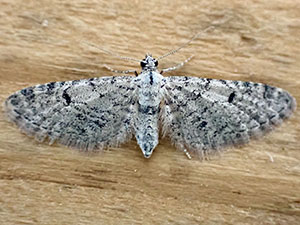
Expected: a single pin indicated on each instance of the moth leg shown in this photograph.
(177, 66)
(119, 71)
(188, 155)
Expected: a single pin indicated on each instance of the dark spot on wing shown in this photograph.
(236, 83)
(113, 80)
(27, 91)
(223, 81)
(246, 84)
(231, 97)
(99, 123)
(50, 86)
(13, 99)
(75, 82)
(269, 91)
(66, 97)
(203, 124)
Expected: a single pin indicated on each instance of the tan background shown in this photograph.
(43, 41)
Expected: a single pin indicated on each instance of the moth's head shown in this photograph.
(149, 63)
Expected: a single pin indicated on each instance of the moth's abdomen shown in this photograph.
(146, 128)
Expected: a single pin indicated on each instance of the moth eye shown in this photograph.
(156, 63)
(143, 64)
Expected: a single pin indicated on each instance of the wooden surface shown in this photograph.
(43, 41)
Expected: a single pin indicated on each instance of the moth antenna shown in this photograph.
(185, 44)
(112, 53)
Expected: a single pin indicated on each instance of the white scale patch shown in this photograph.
(199, 115)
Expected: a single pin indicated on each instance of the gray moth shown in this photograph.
(199, 115)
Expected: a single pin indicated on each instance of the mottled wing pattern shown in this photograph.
(85, 114)
(206, 114)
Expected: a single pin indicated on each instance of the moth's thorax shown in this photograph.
(150, 88)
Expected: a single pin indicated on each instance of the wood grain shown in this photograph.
(43, 41)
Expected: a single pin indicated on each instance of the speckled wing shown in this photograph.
(203, 115)
(85, 114)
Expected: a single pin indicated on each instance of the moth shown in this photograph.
(199, 115)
